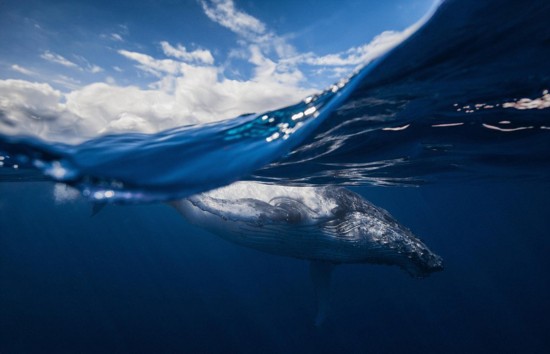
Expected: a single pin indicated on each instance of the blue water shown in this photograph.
(139, 279)
(453, 123)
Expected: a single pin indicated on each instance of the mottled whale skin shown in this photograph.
(322, 224)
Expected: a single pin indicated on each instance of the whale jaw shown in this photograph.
(431, 263)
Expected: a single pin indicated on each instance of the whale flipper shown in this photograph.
(321, 273)
(97, 207)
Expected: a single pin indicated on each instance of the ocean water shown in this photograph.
(450, 132)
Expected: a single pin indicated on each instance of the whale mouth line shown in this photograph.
(423, 270)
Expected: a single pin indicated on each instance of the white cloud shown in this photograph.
(116, 37)
(224, 13)
(58, 59)
(250, 29)
(33, 108)
(87, 66)
(16, 93)
(67, 81)
(94, 69)
(22, 70)
(151, 65)
(108, 108)
(199, 55)
(195, 97)
(358, 55)
(273, 55)
(187, 87)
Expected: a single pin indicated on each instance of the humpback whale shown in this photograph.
(326, 225)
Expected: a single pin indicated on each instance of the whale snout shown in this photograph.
(425, 264)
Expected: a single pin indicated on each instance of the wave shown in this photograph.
(465, 97)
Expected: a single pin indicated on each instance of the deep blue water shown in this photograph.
(139, 279)
(454, 123)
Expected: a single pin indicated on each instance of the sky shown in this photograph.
(70, 70)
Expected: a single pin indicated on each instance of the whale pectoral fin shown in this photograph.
(97, 207)
(321, 273)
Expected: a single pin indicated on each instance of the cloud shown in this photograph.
(94, 69)
(186, 87)
(87, 66)
(199, 55)
(274, 55)
(224, 13)
(33, 108)
(58, 59)
(151, 65)
(116, 37)
(22, 70)
(197, 96)
(360, 55)
(38, 109)
(67, 81)
(247, 27)
(261, 47)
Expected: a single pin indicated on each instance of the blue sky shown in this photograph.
(168, 62)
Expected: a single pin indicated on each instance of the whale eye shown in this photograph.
(292, 214)
(338, 211)
(294, 217)
(293, 210)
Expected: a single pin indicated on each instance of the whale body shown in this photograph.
(330, 224)
(326, 225)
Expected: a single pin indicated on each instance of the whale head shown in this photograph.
(378, 238)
